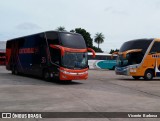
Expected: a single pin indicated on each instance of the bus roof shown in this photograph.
(45, 32)
(136, 44)
(107, 54)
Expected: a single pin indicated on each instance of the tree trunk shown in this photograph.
(98, 45)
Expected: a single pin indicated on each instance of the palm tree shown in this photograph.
(99, 38)
(61, 28)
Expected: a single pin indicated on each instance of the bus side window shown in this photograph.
(89, 57)
(52, 38)
(108, 57)
(155, 48)
(55, 55)
(41, 48)
(97, 57)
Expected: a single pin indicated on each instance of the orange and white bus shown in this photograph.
(139, 58)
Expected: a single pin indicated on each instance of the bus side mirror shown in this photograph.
(93, 52)
(58, 47)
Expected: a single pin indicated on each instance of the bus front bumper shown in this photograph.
(69, 74)
(122, 70)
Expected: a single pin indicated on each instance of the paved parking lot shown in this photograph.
(102, 92)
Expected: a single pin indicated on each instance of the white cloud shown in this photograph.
(28, 26)
(118, 20)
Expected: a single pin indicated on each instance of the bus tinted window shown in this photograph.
(114, 58)
(52, 38)
(98, 57)
(29, 41)
(108, 57)
(90, 57)
(21, 42)
(102, 57)
(2, 54)
(155, 48)
(136, 44)
(72, 40)
(8, 45)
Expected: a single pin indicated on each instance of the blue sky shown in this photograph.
(118, 20)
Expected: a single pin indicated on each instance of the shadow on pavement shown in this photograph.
(38, 79)
(139, 80)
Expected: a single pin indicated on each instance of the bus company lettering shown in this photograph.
(28, 50)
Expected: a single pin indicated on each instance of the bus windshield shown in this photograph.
(75, 60)
(135, 57)
(131, 58)
(72, 40)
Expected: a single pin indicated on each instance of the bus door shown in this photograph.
(40, 56)
(155, 57)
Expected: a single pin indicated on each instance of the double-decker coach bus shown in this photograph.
(2, 58)
(139, 58)
(102, 61)
(50, 54)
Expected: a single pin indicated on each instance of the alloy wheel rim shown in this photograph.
(149, 75)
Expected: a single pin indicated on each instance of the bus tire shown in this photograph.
(136, 77)
(66, 81)
(46, 75)
(113, 68)
(15, 71)
(69, 81)
(148, 75)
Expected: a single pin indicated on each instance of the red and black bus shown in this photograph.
(50, 54)
(2, 58)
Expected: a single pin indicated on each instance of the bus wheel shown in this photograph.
(15, 71)
(148, 75)
(66, 81)
(46, 75)
(69, 81)
(136, 77)
(113, 68)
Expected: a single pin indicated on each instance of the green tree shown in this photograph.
(61, 28)
(72, 31)
(112, 51)
(99, 38)
(96, 49)
(86, 35)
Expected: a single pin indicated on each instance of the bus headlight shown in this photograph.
(133, 70)
(86, 72)
(74, 73)
(65, 72)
